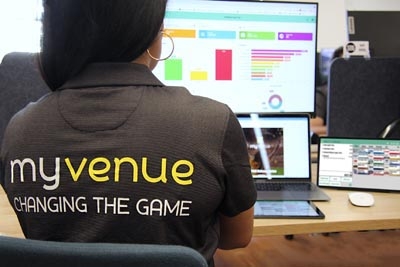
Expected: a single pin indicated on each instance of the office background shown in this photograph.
(20, 26)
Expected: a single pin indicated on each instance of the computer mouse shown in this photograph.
(361, 199)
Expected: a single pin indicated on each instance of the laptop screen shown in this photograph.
(359, 163)
(278, 145)
(255, 56)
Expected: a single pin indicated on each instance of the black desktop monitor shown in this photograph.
(380, 28)
(255, 56)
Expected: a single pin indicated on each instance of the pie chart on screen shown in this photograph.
(275, 101)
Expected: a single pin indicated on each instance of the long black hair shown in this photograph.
(79, 32)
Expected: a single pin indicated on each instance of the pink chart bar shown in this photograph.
(276, 51)
(266, 56)
(295, 36)
(270, 60)
(272, 53)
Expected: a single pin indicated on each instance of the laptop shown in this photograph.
(370, 164)
(279, 155)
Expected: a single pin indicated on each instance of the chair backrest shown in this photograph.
(19, 252)
(392, 130)
(20, 84)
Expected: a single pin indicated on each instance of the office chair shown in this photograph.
(19, 252)
(20, 84)
(392, 130)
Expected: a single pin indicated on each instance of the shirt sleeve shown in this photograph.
(240, 193)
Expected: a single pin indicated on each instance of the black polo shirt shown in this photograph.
(116, 156)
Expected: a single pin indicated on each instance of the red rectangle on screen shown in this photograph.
(223, 65)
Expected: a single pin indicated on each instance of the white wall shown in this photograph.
(332, 16)
(332, 24)
(19, 26)
(380, 5)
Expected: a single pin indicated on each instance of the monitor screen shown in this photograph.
(277, 144)
(359, 163)
(254, 56)
(379, 28)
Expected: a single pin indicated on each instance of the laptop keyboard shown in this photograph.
(283, 186)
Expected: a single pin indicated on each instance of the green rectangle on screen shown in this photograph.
(257, 35)
(173, 70)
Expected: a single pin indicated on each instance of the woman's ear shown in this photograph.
(150, 56)
(154, 51)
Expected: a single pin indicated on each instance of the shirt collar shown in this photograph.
(113, 74)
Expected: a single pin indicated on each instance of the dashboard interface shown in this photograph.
(254, 56)
(359, 163)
